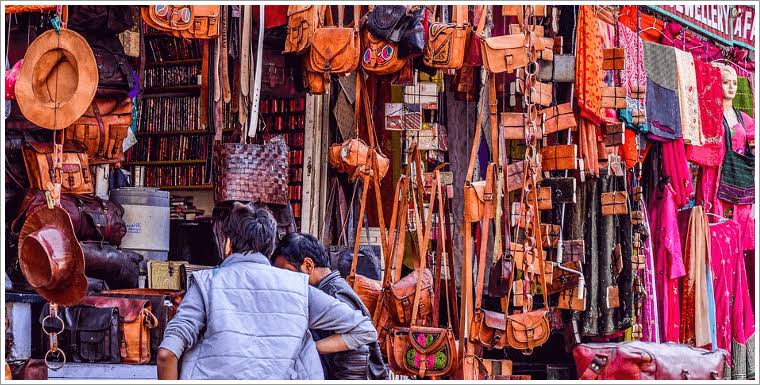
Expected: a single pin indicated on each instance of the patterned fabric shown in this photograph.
(733, 307)
(663, 112)
(674, 165)
(649, 316)
(669, 267)
(635, 72)
(688, 98)
(650, 27)
(710, 96)
(588, 66)
(660, 61)
(743, 100)
(711, 318)
(695, 326)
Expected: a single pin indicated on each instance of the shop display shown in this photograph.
(508, 189)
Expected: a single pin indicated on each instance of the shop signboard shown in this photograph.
(727, 23)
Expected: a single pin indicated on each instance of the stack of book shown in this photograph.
(182, 207)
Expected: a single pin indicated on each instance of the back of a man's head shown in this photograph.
(251, 229)
(295, 247)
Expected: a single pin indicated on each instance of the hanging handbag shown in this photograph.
(303, 20)
(335, 49)
(563, 279)
(387, 22)
(447, 41)
(615, 203)
(90, 334)
(418, 350)
(412, 42)
(380, 57)
(613, 58)
(558, 118)
(252, 172)
(74, 175)
(102, 129)
(559, 157)
(614, 97)
(204, 24)
(167, 17)
(737, 184)
(135, 321)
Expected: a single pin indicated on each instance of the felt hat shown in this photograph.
(50, 256)
(58, 79)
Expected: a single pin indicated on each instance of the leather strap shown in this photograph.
(475, 148)
(441, 245)
(245, 51)
(101, 127)
(423, 254)
(485, 229)
(224, 54)
(597, 365)
(256, 99)
(480, 14)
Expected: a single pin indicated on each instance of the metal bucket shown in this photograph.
(146, 214)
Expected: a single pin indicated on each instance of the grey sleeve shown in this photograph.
(183, 331)
(328, 313)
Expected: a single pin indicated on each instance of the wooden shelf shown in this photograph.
(188, 187)
(174, 62)
(161, 90)
(185, 132)
(165, 162)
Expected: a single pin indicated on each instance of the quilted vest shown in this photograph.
(256, 326)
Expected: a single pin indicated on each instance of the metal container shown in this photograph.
(146, 214)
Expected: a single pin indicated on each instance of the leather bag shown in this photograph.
(252, 172)
(204, 23)
(168, 17)
(506, 53)
(403, 296)
(74, 175)
(558, 118)
(90, 334)
(572, 250)
(353, 155)
(447, 42)
(380, 57)
(303, 20)
(559, 157)
(613, 58)
(515, 174)
(119, 268)
(335, 49)
(500, 276)
(614, 97)
(102, 129)
(115, 73)
(637, 360)
(615, 203)
(93, 218)
(387, 22)
(563, 279)
(513, 125)
(559, 70)
(136, 320)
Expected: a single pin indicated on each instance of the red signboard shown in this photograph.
(744, 31)
(720, 21)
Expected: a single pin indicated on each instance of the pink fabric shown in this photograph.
(733, 307)
(669, 267)
(649, 317)
(675, 166)
(635, 73)
(742, 214)
(711, 115)
(11, 76)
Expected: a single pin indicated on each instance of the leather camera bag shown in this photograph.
(102, 129)
(94, 219)
(380, 57)
(136, 320)
(90, 334)
(252, 172)
(119, 268)
(418, 350)
(637, 360)
(74, 175)
(335, 49)
(303, 20)
(447, 42)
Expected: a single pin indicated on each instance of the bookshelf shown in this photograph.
(173, 136)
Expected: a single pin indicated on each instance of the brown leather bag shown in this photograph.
(74, 175)
(136, 321)
(252, 172)
(303, 20)
(615, 203)
(512, 124)
(506, 53)
(558, 118)
(447, 42)
(380, 57)
(102, 129)
(335, 49)
(168, 17)
(613, 58)
(204, 24)
(614, 97)
(559, 157)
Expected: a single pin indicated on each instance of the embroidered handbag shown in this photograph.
(74, 175)
(102, 129)
(204, 23)
(446, 43)
(559, 157)
(380, 57)
(252, 172)
(335, 49)
(168, 17)
(303, 20)
(737, 184)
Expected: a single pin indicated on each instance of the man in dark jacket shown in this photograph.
(305, 254)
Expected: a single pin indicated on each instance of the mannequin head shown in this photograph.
(729, 81)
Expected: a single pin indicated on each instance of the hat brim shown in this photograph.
(45, 114)
(70, 291)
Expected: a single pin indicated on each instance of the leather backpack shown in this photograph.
(102, 129)
(303, 20)
(90, 334)
(74, 175)
(335, 49)
(447, 42)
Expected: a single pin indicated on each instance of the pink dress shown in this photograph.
(669, 267)
(733, 309)
(675, 166)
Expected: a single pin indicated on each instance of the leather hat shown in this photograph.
(58, 79)
(50, 256)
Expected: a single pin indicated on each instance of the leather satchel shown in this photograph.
(136, 320)
(352, 155)
(93, 218)
(505, 53)
(500, 276)
(637, 360)
(252, 172)
(204, 23)
(512, 124)
(90, 334)
(447, 41)
(559, 157)
(335, 49)
(559, 70)
(303, 20)
(563, 279)
(615, 203)
(168, 17)
(74, 175)
(403, 296)
(380, 57)
(102, 129)
(367, 289)
(614, 97)
(119, 268)
(475, 198)
(558, 118)
(613, 58)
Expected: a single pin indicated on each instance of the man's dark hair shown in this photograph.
(251, 229)
(295, 247)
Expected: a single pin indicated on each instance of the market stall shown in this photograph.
(513, 191)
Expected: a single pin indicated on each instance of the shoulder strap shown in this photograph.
(475, 146)
(485, 229)
(441, 241)
(460, 15)
(423, 257)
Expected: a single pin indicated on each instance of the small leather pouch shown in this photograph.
(614, 97)
(558, 118)
(512, 124)
(519, 217)
(560, 157)
(637, 217)
(563, 279)
(613, 58)
(613, 297)
(615, 203)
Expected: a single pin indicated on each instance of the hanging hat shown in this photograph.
(58, 79)
(50, 256)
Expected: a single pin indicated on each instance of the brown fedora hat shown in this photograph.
(58, 79)
(50, 256)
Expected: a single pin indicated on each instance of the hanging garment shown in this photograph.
(744, 101)
(663, 113)
(588, 66)
(736, 325)
(635, 72)
(650, 27)
(669, 267)
(686, 77)
(674, 165)
(695, 326)
(650, 319)
(742, 214)
(710, 96)
(660, 61)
